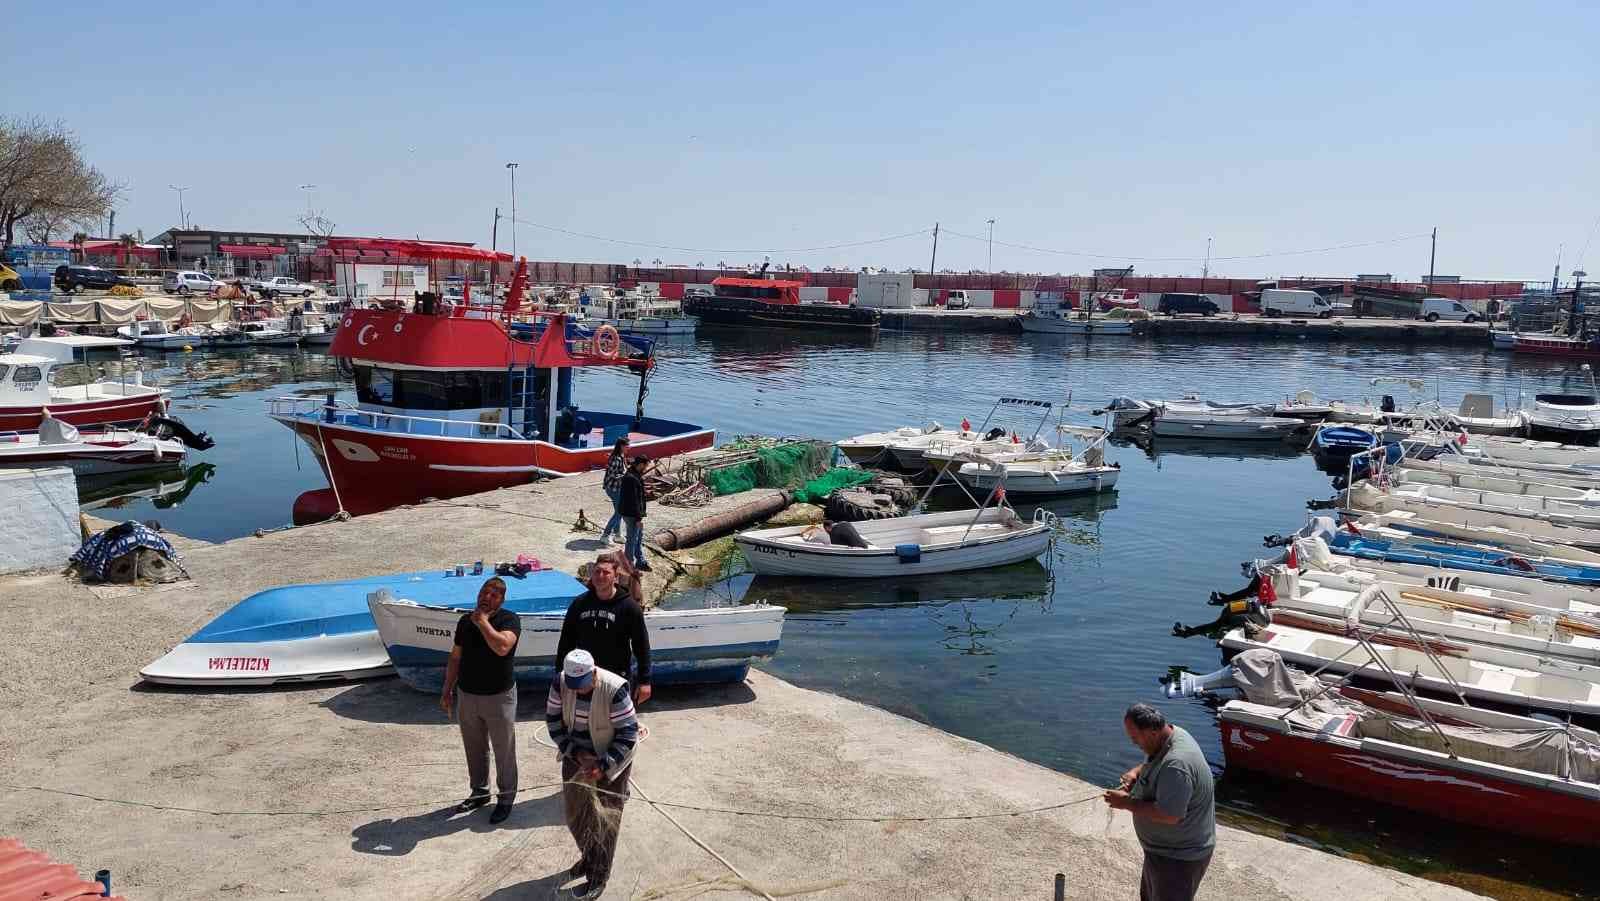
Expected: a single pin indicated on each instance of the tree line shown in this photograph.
(46, 186)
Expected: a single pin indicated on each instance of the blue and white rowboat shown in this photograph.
(324, 631)
(698, 646)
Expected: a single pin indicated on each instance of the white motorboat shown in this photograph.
(1177, 422)
(1582, 513)
(1487, 672)
(1131, 413)
(921, 544)
(59, 443)
(911, 452)
(1526, 453)
(1521, 533)
(39, 374)
(1573, 418)
(1057, 472)
(694, 646)
(1305, 406)
(156, 334)
(639, 312)
(870, 448)
(1048, 317)
(1477, 416)
(1500, 339)
(268, 333)
(906, 451)
(1457, 464)
(944, 451)
(1458, 617)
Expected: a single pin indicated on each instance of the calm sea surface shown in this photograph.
(1037, 659)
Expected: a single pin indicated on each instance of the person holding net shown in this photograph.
(590, 714)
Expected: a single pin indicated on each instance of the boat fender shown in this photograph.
(908, 553)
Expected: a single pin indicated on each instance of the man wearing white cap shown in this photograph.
(590, 714)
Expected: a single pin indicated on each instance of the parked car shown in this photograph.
(71, 278)
(957, 300)
(10, 280)
(1173, 304)
(272, 287)
(187, 281)
(1437, 308)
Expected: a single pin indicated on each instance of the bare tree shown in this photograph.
(45, 183)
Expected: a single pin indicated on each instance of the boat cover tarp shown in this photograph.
(80, 311)
(20, 312)
(122, 310)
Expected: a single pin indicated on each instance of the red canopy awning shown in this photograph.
(252, 250)
(421, 250)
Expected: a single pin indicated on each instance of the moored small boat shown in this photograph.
(1573, 418)
(29, 383)
(902, 546)
(872, 447)
(88, 453)
(1336, 444)
(1180, 423)
(325, 631)
(697, 646)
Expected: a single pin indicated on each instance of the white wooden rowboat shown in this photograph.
(903, 546)
(1478, 479)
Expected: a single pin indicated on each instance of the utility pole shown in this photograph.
(1205, 268)
(111, 224)
(1432, 251)
(989, 269)
(183, 217)
(1555, 280)
(932, 262)
(494, 239)
(513, 168)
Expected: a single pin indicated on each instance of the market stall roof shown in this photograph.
(251, 250)
(425, 250)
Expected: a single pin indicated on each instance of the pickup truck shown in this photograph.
(272, 287)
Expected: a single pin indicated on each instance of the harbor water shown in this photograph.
(1037, 659)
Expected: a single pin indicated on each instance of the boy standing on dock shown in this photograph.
(1174, 810)
(486, 705)
(632, 507)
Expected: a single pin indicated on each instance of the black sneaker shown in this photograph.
(472, 803)
(590, 889)
(576, 870)
(643, 567)
(500, 814)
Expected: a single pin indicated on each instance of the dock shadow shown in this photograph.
(588, 544)
(695, 697)
(399, 837)
(388, 701)
(533, 889)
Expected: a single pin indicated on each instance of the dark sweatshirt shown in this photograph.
(613, 631)
(631, 503)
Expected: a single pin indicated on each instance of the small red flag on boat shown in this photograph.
(999, 495)
(1015, 439)
(1267, 594)
(966, 424)
(1461, 439)
(1293, 560)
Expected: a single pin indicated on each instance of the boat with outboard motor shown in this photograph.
(1048, 316)
(687, 646)
(1497, 771)
(1058, 471)
(1334, 445)
(454, 400)
(325, 631)
(1179, 422)
(873, 446)
(637, 311)
(31, 380)
(1571, 418)
(920, 544)
(1526, 536)
(106, 452)
(1451, 520)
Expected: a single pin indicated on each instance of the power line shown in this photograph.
(1143, 259)
(648, 245)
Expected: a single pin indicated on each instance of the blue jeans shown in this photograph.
(635, 548)
(614, 524)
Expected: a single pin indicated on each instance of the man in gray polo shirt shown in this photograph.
(1170, 797)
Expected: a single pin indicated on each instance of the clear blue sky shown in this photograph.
(1128, 129)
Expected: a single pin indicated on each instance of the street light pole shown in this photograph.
(183, 218)
(990, 266)
(513, 168)
(308, 189)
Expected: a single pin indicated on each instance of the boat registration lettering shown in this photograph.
(442, 633)
(774, 551)
(252, 664)
(396, 452)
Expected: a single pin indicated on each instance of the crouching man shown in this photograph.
(590, 714)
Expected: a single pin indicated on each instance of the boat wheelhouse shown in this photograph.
(39, 375)
(775, 303)
(459, 399)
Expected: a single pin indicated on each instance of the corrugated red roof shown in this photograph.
(28, 875)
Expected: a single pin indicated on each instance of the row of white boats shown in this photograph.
(1462, 575)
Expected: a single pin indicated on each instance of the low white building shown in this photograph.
(379, 281)
(886, 290)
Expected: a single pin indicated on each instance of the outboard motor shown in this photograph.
(1387, 405)
(994, 434)
(166, 426)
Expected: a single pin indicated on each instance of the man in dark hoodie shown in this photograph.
(608, 623)
(631, 504)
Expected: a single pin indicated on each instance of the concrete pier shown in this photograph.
(1228, 326)
(344, 790)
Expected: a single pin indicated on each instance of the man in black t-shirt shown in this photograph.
(486, 706)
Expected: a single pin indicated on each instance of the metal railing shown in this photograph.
(348, 414)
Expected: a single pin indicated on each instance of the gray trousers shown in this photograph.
(490, 721)
(1170, 879)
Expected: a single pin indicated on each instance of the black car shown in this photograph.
(71, 278)
(1173, 304)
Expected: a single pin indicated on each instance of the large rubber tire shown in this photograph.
(853, 506)
(183, 291)
(1433, 317)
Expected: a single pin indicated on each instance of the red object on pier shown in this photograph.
(29, 875)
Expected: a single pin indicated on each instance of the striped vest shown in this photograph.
(606, 684)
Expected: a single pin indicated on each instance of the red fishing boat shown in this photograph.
(454, 399)
(31, 380)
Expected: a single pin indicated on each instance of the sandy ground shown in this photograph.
(343, 791)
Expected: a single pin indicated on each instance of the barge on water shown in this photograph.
(775, 303)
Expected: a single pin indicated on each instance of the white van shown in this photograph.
(1437, 308)
(1285, 302)
(957, 300)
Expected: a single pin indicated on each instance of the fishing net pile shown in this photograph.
(752, 461)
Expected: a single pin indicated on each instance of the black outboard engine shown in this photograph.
(168, 427)
(994, 434)
(1387, 405)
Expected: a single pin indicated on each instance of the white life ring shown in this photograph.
(607, 343)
